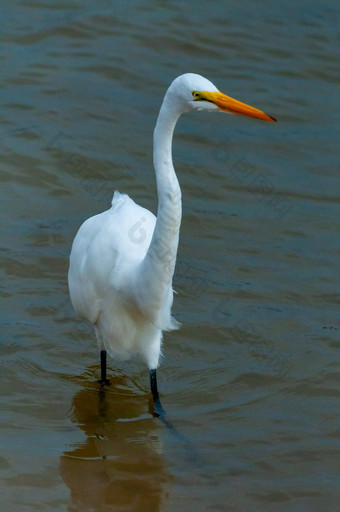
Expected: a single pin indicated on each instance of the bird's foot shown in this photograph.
(156, 406)
(156, 409)
(104, 382)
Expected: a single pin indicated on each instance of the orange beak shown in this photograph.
(232, 106)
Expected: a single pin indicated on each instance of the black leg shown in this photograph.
(158, 409)
(103, 380)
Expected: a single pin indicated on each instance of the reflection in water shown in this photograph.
(120, 463)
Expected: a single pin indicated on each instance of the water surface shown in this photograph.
(251, 381)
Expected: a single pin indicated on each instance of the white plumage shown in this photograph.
(108, 286)
(122, 261)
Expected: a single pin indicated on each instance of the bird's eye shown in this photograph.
(196, 95)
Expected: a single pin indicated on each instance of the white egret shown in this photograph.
(122, 261)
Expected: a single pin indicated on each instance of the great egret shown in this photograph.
(122, 261)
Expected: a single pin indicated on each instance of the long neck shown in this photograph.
(165, 239)
(159, 263)
(163, 247)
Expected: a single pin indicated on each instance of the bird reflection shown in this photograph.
(119, 465)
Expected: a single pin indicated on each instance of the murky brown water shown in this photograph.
(251, 381)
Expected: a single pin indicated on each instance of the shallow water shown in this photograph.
(251, 381)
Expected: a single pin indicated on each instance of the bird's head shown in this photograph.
(194, 92)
